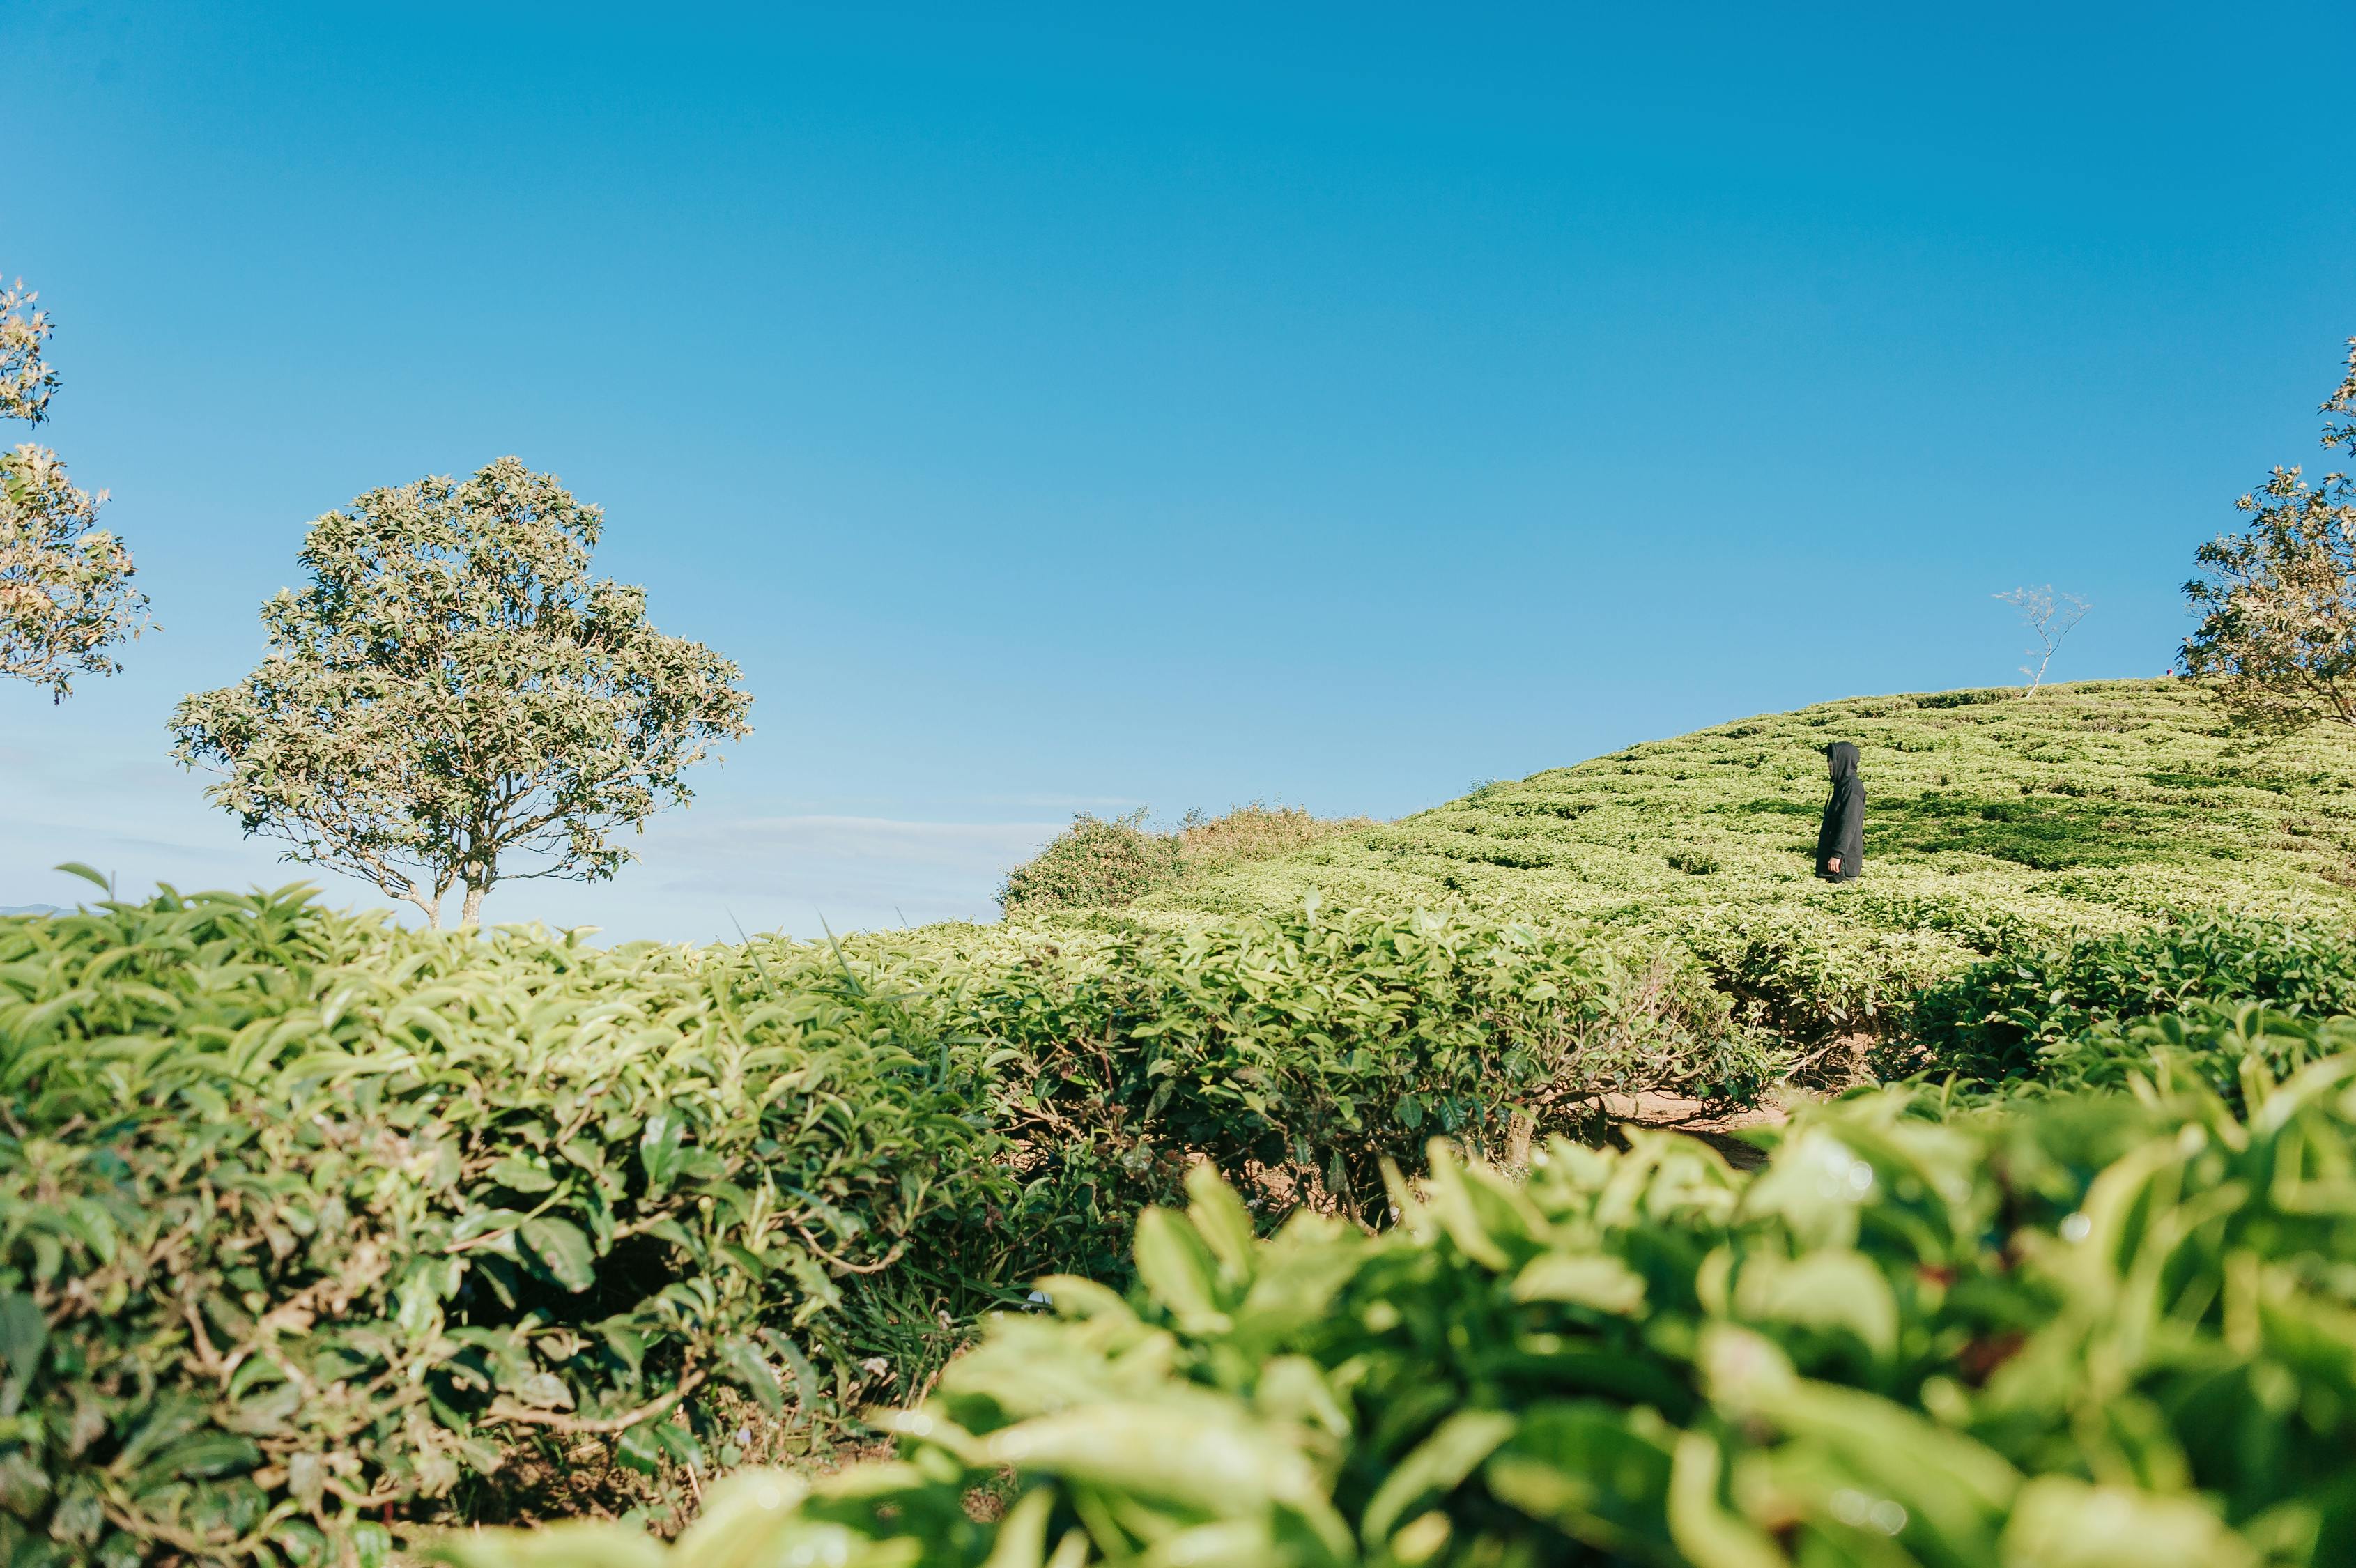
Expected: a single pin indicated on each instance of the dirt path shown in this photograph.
(1672, 1114)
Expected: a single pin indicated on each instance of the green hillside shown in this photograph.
(1992, 816)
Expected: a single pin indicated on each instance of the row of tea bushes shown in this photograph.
(2110, 1332)
(1304, 1052)
(2219, 1045)
(309, 1224)
(1997, 1021)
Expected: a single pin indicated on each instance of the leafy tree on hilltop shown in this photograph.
(2278, 634)
(453, 693)
(66, 597)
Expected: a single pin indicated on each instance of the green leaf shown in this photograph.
(1178, 1269)
(658, 1147)
(745, 1258)
(1831, 1289)
(747, 1367)
(638, 1449)
(1438, 1465)
(1705, 1531)
(1594, 1280)
(819, 1292)
(1579, 1466)
(24, 1332)
(679, 1443)
(626, 1343)
(520, 1174)
(559, 1251)
(192, 1458)
(1225, 1224)
(2063, 1520)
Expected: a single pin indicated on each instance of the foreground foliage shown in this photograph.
(2109, 1332)
(309, 1224)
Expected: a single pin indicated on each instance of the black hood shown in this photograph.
(1843, 757)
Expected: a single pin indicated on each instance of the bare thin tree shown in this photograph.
(2048, 618)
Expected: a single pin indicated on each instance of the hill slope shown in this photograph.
(1992, 817)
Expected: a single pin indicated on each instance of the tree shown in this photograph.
(66, 598)
(2049, 621)
(453, 695)
(2276, 642)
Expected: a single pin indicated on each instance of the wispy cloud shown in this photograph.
(699, 873)
(692, 882)
(698, 877)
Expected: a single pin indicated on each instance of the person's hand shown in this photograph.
(1833, 866)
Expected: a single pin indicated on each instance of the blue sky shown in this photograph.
(1063, 408)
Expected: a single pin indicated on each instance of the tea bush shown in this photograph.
(2108, 1332)
(312, 1229)
(1993, 1021)
(1307, 1050)
(2214, 1045)
(1095, 864)
(1254, 830)
(303, 1219)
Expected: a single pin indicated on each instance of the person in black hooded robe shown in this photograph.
(1840, 842)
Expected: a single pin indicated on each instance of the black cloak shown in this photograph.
(1843, 833)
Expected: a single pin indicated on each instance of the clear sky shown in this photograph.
(1112, 405)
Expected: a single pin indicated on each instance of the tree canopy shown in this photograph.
(2277, 636)
(66, 598)
(454, 701)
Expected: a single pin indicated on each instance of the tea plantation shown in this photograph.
(1994, 819)
(2101, 801)
(322, 1240)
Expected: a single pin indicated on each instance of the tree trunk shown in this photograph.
(472, 914)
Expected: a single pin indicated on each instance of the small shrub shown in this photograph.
(1255, 832)
(1095, 864)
